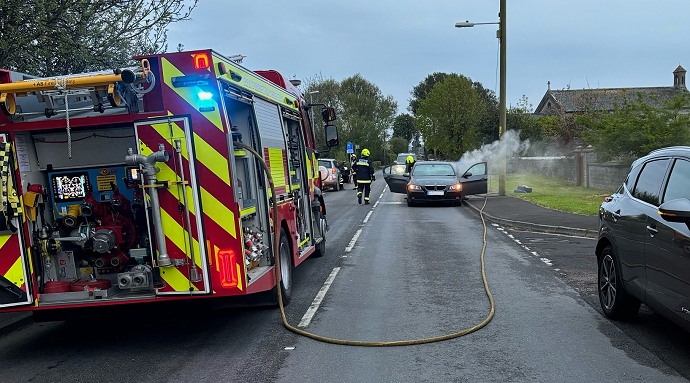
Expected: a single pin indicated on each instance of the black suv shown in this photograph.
(643, 250)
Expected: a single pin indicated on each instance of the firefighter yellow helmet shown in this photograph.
(365, 152)
(409, 159)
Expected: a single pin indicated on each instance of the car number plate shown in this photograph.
(435, 192)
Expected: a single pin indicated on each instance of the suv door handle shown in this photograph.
(652, 230)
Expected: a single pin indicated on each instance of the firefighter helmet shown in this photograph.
(365, 152)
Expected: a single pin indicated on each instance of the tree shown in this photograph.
(328, 90)
(636, 128)
(364, 114)
(448, 117)
(403, 127)
(398, 145)
(520, 118)
(489, 121)
(48, 37)
(420, 91)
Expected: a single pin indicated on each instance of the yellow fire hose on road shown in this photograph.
(408, 342)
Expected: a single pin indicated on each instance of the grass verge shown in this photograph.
(553, 193)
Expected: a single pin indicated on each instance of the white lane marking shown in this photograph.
(517, 241)
(306, 319)
(547, 261)
(366, 219)
(353, 241)
(375, 204)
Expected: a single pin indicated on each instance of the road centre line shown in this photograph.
(306, 319)
(353, 241)
(366, 219)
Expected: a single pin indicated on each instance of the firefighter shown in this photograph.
(364, 174)
(409, 161)
(353, 162)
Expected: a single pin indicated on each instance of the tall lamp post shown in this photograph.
(311, 101)
(501, 34)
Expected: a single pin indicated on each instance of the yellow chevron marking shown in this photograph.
(16, 273)
(212, 207)
(239, 277)
(189, 94)
(218, 212)
(4, 239)
(205, 153)
(166, 173)
(174, 232)
(176, 279)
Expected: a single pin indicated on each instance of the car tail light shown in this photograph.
(332, 170)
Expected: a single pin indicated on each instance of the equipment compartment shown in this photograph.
(89, 227)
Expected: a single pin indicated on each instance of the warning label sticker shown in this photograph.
(104, 182)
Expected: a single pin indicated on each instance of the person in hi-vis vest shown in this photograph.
(364, 174)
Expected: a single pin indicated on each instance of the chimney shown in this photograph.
(679, 78)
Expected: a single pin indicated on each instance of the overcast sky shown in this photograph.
(395, 44)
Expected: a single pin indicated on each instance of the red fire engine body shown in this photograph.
(134, 186)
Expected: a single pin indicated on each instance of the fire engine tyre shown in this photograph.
(320, 223)
(616, 303)
(285, 268)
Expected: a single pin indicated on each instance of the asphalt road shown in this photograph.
(412, 273)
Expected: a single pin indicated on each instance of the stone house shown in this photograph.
(572, 101)
(585, 170)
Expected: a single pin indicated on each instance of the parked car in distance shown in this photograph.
(643, 248)
(332, 179)
(402, 157)
(437, 181)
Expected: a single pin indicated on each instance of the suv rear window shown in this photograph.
(678, 182)
(325, 163)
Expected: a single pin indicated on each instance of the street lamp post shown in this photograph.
(311, 101)
(502, 96)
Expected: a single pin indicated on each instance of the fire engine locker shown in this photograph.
(178, 229)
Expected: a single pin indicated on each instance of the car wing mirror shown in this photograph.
(467, 175)
(406, 174)
(677, 210)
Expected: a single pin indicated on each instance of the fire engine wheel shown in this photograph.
(285, 268)
(320, 223)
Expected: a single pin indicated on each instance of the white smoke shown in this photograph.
(492, 153)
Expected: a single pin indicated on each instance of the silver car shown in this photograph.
(332, 179)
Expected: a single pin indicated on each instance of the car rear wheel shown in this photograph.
(615, 301)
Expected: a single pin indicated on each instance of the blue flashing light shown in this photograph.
(203, 95)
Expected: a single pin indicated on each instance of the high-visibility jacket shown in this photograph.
(364, 170)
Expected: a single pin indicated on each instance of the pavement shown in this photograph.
(503, 210)
(518, 213)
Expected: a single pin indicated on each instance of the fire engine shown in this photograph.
(138, 184)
